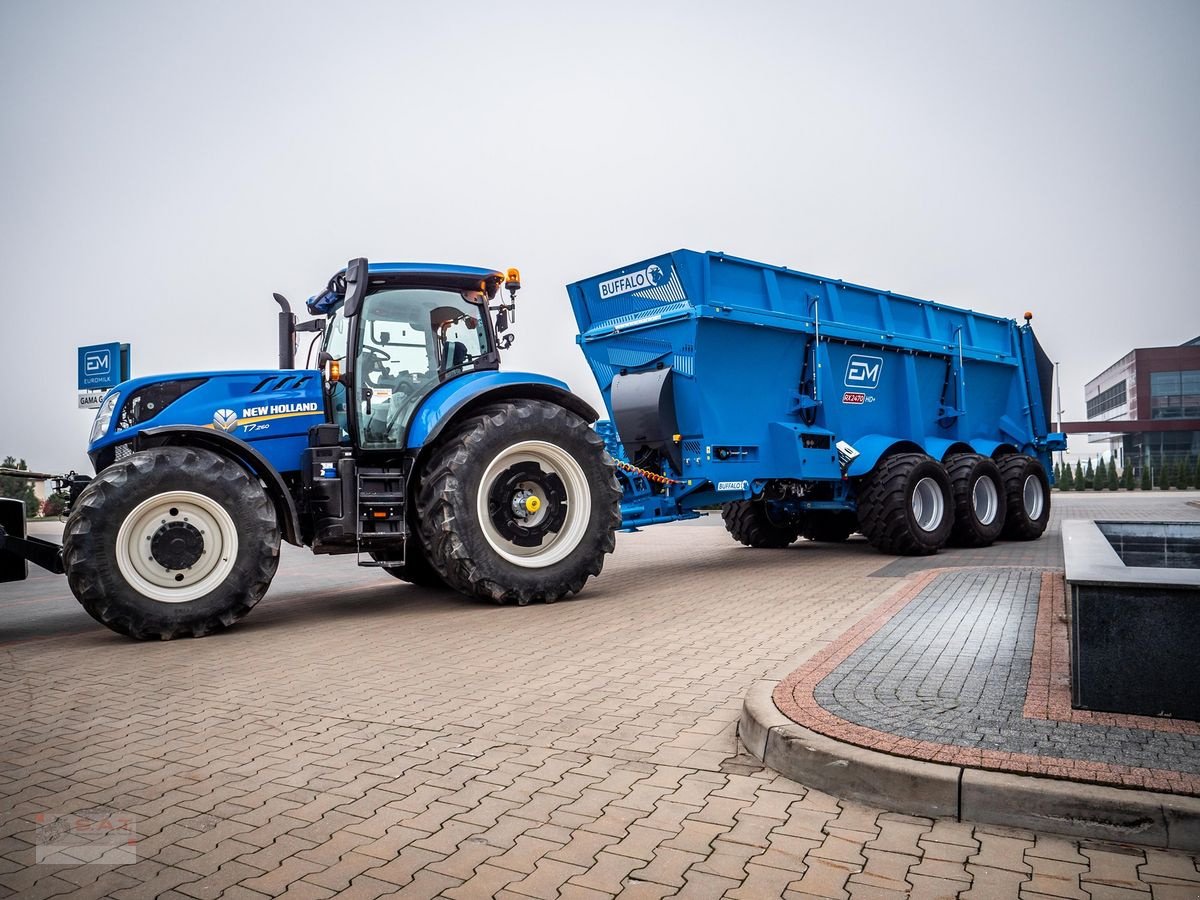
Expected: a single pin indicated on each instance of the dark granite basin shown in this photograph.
(1135, 616)
(1159, 545)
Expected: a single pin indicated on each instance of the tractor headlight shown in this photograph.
(104, 417)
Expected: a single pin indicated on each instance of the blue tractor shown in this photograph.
(406, 445)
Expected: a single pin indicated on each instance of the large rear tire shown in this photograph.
(750, 523)
(979, 500)
(519, 503)
(1027, 490)
(905, 506)
(171, 542)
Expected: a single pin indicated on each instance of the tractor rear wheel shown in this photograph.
(750, 523)
(519, 503)
(1027, 491)
(979, 500)
(905, 506)
(171, 542)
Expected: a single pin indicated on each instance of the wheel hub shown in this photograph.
(177, 545)
(527, 503)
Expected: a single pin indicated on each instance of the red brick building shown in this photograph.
(1158, 388)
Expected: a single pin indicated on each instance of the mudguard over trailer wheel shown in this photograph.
(171, 542)
(905, 505)
(979, 500)
(520, 503)
(750, 523)
(1027, 490)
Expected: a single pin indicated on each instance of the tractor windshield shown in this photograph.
(411, 340)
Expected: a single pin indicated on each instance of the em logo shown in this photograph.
(862, 372)
(97, 362)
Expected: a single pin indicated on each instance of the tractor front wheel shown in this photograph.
(171, 542)
(519, 503)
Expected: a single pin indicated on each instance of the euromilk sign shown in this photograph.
(101, 367)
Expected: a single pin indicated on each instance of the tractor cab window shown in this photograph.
(411, 341)
(336, 344)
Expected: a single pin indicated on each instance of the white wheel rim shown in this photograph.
(150, 577)
(985, 500)
(555, 546)
(1033, 497)
(928, 504)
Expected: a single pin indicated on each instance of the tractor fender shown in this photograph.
(456, 398)
(874, 447)
(241, 453)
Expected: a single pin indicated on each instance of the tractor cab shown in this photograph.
(396, 331)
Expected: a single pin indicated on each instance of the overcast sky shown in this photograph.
(166, 166)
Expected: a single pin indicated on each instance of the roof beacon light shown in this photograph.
(512, 281)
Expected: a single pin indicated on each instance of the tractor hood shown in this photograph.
(267, 407)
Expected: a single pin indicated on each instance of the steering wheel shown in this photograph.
(379, 360)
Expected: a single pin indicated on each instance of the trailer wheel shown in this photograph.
(520, 503)
(1027, 490)
(829, 527)
(750, 523)
(979, 500)
(905, 505)
(417, 568)
(171, 542)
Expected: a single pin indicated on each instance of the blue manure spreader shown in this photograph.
(809, 406)
(801, 406)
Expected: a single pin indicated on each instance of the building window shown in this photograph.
(1175, 395)
(1107, 400)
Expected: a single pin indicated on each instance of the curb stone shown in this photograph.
(916, 787)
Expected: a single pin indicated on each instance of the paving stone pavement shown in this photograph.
(953, 666)
(359, 737)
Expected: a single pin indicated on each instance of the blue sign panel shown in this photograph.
(100, 367)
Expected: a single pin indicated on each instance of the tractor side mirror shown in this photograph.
(502, 320)
(356, 285)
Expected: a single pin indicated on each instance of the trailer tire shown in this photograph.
(905, 506)
(749, 523)
(482, 533)
(171, 542)
(829, 527)
(1027, 491)
(979, 500)
(417, 568)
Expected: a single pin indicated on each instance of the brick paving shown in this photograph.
(943, 673)
(357, 737)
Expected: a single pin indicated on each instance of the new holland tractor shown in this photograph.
(406, 446)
